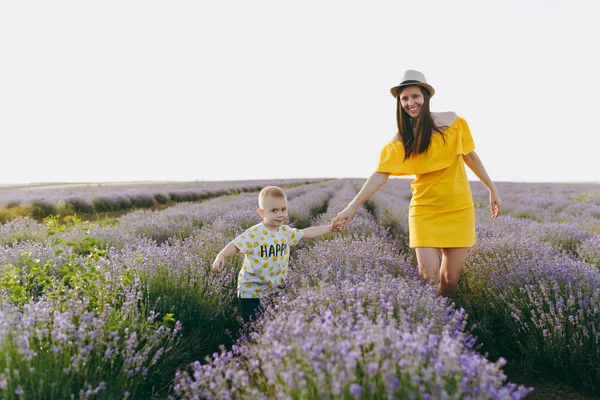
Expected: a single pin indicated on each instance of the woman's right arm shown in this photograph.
(371, 186)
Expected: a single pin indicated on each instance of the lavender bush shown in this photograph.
(367, 337)
(531, 286)
(73, 325)
(532, 299)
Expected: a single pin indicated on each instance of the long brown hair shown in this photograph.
(418, 143)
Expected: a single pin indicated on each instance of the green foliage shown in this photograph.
(142, 201)
(6, 214)
(32, 279)
(527, 215)
(207, 315)
(102, 204)
(161, 198)
(76, 206)
(582, 197)
(370, 206)
(40, 209)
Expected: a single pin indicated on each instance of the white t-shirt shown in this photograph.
(266, 258)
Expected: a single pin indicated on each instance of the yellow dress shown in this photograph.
(441, 212)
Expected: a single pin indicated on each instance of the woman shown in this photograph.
(431, 146)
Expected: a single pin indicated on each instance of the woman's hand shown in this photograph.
(343, 218)
(495, 203)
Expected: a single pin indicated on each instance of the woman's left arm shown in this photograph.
(474, 163)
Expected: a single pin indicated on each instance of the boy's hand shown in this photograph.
(218, 264)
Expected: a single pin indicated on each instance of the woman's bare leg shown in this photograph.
(428, 259)
(453, 260)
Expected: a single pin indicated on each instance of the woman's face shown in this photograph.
(411, 98)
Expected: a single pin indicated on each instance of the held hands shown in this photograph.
(218, 264)
(335, 227)
(343, 218)
(495, 203)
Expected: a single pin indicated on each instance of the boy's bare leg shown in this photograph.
(453, 260)
(428, 259)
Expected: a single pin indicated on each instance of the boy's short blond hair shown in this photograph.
(270, 191)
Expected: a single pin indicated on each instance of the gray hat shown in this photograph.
(410, 78)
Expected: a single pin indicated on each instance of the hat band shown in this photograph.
(410, 81)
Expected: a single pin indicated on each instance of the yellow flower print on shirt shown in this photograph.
(265, 266)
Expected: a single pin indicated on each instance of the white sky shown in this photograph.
(219, 90)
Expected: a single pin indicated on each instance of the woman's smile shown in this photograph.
(412, 100)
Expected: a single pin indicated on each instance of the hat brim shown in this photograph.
(394, 91)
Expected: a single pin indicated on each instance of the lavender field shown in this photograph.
(130, 308)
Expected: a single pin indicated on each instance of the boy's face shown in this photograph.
(274, 212)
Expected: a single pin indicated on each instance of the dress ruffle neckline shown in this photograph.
(442, 152)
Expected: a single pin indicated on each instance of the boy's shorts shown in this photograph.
(249, 308)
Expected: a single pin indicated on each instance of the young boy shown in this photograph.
(266, 247)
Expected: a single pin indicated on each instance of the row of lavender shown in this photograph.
(354, 322)
(111, 312)
(68, 199)
(531, 287)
